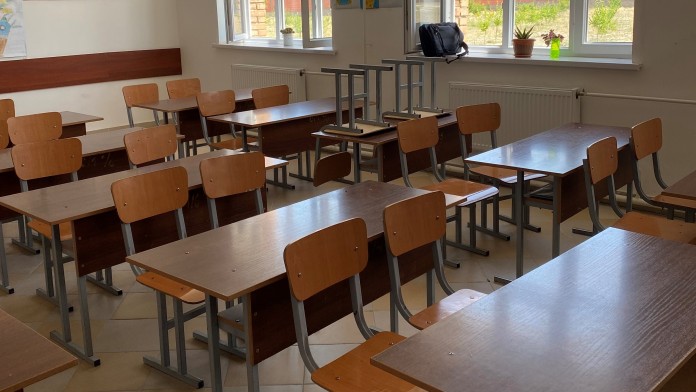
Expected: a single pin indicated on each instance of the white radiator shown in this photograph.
(253, 76)
(525, 111)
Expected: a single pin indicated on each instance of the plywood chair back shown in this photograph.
(332, 167)
(137, 94)
(602, 158)
(150, 194)
(183, 88)
(415, 222)
(47, 158)
(150, 144)
(140, 93)
(478, 118)
(7, 110)
(417, 134)
(35, 127)
(646, 138)
(233, 175)
(215, 103)
(267, 97)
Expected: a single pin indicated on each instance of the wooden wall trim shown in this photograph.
(51, 72)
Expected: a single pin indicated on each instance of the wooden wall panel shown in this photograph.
(50, 72)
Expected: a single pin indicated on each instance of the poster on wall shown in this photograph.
(374, 4)
(12, 40)
(346, 4)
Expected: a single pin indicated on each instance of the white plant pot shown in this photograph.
(287, 39)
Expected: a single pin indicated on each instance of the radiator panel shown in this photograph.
(253, 76)
(525, 111)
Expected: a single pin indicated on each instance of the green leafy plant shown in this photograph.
(287, 30)
(603, 16)
(523, 33)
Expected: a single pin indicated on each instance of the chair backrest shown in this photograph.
(417, 134)
(233, 174)
(140, 93)
(267, 97)
(602, 159)
(326, 257)
(35, 127)
(646, 138)
(150, 194)
(478, 118)
(215, 103)
(47, 158)
(332, 167)
(183, 88)
(7, 110)
(150, 144)
(414, 222)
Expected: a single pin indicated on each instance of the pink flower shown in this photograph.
(551, 35)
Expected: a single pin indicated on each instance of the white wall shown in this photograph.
(664, 36)
(62, 28)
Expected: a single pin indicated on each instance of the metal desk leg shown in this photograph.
(65, 339)
(252, 369)
(356, 162)
(211, 310)
(380, 164)
(556, 225)
(519, 237)
(5, 283)
(26, 239)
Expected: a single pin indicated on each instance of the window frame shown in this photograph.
(577, 47)
(231, 36)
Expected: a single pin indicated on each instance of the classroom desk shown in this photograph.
(287, 129)
(26, 356)
(684, 188)
(98, 241)
(102, 153)
(615, 313)
(185, 114)
(75, 124)
(386, 146)
(557, 153)
(254, 269)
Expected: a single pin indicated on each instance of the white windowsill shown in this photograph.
(267, 46)
(542, 59)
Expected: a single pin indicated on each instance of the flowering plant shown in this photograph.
(287, 30)
(551, 35)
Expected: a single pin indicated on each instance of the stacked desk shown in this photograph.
(75, 124)
(615, 313)
(254, 269)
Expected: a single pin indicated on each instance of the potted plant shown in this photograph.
(554, 40)
(288, 35)
(522, 44)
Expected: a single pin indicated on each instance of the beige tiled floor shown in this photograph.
(124, 327)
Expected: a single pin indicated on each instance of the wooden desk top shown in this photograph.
(380, 138)
(256, 259)
(72, 118)
(93, 143)
(555, 152)
(277, 114)
(684, 188)
(26, 356)
(181, 104)
(91, 196)
(615, 313)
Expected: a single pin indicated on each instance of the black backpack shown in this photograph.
(442, 40)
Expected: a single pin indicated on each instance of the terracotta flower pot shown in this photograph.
(523, 47)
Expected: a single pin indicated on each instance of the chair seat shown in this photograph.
(231, 319)
(507, 176)
(474, 191)
(658, 226)
(678, 202)
(232, 144)
(353, 371)
(448, 305)
(45, 229)
(171, 288)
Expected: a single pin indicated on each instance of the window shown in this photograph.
(260, 21)
(593, 28)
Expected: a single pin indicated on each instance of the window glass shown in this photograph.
(481, 21)
(609, 21)
(544, 16)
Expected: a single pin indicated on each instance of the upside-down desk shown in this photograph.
(615, 313)
(253, 268)
(96, 227)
